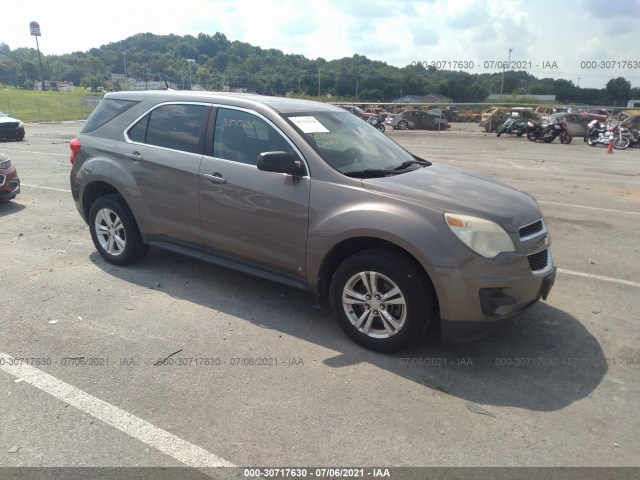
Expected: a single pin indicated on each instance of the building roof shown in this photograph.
(539, 98)
(431, 98)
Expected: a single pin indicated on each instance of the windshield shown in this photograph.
(352, 146)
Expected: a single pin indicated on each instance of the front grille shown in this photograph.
(539, 261)
(531, 229)
(8, 126)
(2, 180)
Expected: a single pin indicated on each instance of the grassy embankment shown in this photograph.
(32, 106)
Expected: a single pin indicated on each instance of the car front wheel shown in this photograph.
(382, 300)
(403, 125)
(114, 231)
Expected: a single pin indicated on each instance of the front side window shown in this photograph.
(174, 126)
(241, 136)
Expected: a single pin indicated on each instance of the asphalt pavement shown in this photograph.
(173, 362)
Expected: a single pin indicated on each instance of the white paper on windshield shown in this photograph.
(309, 124)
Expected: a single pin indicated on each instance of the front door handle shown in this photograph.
(215, 177)
(135, 156)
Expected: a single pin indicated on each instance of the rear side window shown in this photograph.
(175, 126)
(107, 110)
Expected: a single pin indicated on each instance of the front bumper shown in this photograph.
(9, 184)
(472, 303)
(11, 133)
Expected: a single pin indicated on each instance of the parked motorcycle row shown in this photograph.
(597, 133)
(536, 132)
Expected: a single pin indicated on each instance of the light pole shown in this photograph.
(503, 69)
(578, 82)
(190, 61)
(124, 54)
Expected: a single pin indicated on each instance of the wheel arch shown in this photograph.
(348, 247)
(99, 188)
(95, 190)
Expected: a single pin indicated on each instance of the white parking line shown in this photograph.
(514, 164)
(590, 208)
(600, 277)
(133, 426)
(45, 188)
(48, 154)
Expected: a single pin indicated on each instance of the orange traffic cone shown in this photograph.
(610, 149)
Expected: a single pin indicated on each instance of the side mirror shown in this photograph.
(280, 162)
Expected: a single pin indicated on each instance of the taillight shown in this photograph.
(74, 145)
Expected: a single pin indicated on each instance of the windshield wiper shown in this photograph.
(408, 163)
(381, 172)
(371, 173)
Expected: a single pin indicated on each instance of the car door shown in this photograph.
(427, 121)
(163, 151)
(251, 215)
(414, 119)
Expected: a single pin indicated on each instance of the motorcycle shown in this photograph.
(549, 132)
(598, 133)
(633, 135)
(512, 127)
(377, 121)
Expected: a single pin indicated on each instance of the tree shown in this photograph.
(618, 91)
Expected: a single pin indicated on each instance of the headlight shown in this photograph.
(5, 164)
(20, 125)
(482, 236)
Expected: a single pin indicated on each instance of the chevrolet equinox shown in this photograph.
(309, 195)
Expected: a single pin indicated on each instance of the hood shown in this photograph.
(447, 189)
(9, 120)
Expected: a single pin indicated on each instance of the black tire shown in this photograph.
(380, 127)
(403, 125)
(119, 241)
(531, 136)
(566, 139)
(591, 142)
(500, 132)
(378, 271)
(621, 143)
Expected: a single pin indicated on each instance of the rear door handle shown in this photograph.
(215, 177)
(135, 156)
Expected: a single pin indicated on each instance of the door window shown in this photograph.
(174, 126)
(241, 136)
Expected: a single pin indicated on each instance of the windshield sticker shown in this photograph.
(309, 124)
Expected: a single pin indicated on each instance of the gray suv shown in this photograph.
(307, 194)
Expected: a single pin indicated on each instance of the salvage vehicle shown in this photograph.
(493, 118)
(309, 195)
(416, 120)
(9, 180)
(11, 128)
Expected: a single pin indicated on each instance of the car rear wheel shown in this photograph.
(382, 300)
(403, 125)
(114, 231)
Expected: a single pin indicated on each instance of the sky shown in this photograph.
(585, 41)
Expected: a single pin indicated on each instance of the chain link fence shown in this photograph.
(49, 110)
